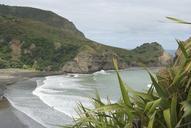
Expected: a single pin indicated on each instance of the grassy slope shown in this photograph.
(48, 41)
(47, 17)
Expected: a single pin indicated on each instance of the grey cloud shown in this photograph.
(124, 23)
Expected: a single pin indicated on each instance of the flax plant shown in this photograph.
(166, 104)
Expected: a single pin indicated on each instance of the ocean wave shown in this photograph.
(55, 98)
(54, 93)
(100, 72)
(31, 105)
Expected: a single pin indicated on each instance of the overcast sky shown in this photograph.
(122, 23)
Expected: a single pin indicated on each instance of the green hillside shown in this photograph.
(43, 40)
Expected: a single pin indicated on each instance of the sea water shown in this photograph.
(52, 100)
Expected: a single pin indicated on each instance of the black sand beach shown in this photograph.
(9, 116)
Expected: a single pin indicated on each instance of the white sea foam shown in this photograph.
(22, 99)
(100, 72)
(55, 98)
(55, 92)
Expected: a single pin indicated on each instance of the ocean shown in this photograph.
(52, 100)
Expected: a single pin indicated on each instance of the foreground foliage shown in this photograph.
(167, 103)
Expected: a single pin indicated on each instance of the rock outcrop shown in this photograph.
(89, 60)
(165, 59)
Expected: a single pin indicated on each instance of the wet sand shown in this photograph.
(9, 116)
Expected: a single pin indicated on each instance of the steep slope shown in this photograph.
(47, 17)
(151, 54)
(43, 40)
(89, 60)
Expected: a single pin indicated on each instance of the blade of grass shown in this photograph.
(167, 117)
(178, 20)
(160, 90)
(173, 110)
(123, 88)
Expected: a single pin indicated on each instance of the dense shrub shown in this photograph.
(167, 104)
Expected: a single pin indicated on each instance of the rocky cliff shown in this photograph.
(42, 40)
(89, 60)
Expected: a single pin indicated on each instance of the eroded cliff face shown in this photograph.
(89, 60)
(15, 46)
(165, 59)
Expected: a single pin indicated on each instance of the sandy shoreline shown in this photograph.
(9, 116)
(12, 118)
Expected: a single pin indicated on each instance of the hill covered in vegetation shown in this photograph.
(43, 40)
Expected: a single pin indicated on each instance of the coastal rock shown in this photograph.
(165, 59)
(88, 60)
(152, 55)
(16, 49)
